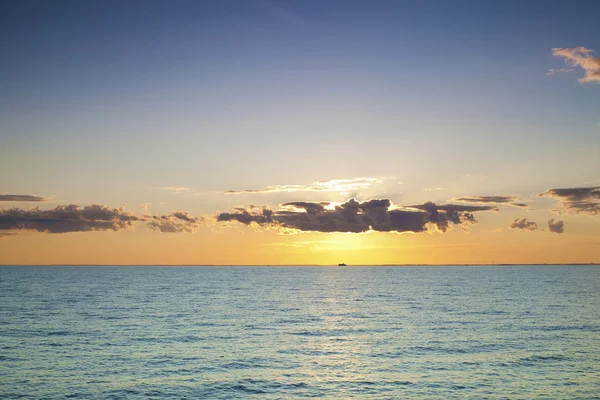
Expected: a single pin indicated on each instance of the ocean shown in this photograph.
(513, 332)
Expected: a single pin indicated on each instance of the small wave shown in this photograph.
(542, 358)
(187, 339)
(59, 333)
(306, 333)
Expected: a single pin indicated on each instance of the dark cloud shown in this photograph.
(574, 194)
(68, 218)
(451, 213)
(556, 227)
(356, 217)
(20, 197)
(496, 199)
(174, 223)
(577, 200)
(311, 208)
(246, 217)
(523, 223)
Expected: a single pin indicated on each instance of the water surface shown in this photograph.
(300, 332)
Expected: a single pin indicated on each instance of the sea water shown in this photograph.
(300, 332)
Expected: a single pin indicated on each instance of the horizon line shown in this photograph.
(304, 265)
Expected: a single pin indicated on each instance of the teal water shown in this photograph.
(313, 332)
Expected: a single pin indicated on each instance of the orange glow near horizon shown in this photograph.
(247, 247)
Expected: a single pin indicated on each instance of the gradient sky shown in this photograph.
(165, 106)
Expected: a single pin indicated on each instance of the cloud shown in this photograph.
(255, 214)
(577, 200)
(519, 204)
(334, 185)
(309, 207)
(73, 218)
(556, 227)
(67, 218)
(579, 57)
(176, 189)
(495, 199)
(522, 223)
(174, 222)
(20, 197)
(552, 71)
(451, 213)
(356, 217)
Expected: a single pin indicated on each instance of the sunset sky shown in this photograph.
(299, 132)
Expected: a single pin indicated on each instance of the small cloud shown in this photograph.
(175, 222)
(553, 71)
(20, 197)
(519, 204)
(582, 58)
(556, 227)
(523, 223)
(432, 189)
(145, 207)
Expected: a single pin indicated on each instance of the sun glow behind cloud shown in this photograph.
(333, 185)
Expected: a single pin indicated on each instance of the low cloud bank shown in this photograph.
(67, 218)
(73, 218)
(356, 217)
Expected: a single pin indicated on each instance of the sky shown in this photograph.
(267, 132)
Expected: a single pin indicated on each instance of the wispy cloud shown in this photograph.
(334, 185)
(20, 197)
(556, 227)
(579, 57)
(553, 71)
(583, 200)
(357, 217)
(176, 189)
(524, 224)
(300, 243)
(495, 199)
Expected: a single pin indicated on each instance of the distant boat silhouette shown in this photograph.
(341, 265)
